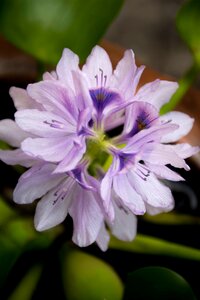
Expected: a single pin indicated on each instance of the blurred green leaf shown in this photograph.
(44, 28)
(188, 25)
(156, 283)
(172, 218)
(26, 287)
(86, 277)
(151, 245)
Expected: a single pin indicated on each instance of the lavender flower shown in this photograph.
(61, 132)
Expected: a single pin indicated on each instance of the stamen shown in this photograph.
(105, 80)
(54, 124)
(96, 77)
(101, 76)
(143, 172)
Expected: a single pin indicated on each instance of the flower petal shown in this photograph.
(129, 197)
(35, 183)
(11, 133)
(87, 217)
(69, 62)
(43, 124)
(52, 209)
(184, 121)
(157, 92)
(17, 157)
(54, 97)
(103, 238)
(48, 149)
(125, 224)
(151, 190)
(22, 100)
(164, 172)
(126, 75)
(98, 64)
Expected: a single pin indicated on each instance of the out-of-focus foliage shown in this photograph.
(86, 277)
(155, 283)
(44, 28)
(188, 25)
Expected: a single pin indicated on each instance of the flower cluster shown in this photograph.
(95, 146)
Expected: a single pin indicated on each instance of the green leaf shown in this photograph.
(44, 28)
(188, 25)
(86, 277)
(156, 283)
(151, 245)
(172, 219)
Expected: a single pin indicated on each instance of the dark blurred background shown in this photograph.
(148, 27)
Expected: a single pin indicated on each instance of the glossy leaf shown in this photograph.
(86, 277)
(188, 25)
(151, 245)
(44, 28)
(155, 283)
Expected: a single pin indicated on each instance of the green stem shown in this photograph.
(184, 84)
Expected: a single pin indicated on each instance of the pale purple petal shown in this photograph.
(129, 197)
(54, 97)
(11, 133)
(185, 150)
(184, 121)
(87, 217)
(151, 190)
(98, 67)
(50, 76)
(151, 210)
(126, 75)
(35, 183)
(71, 159)
(48, 149)
(125, 224)
(140, 115)
(148, 135)
(162, 155)
(43, 123)
(17, 157)
(103, 238)
(69, 62)
(164, 172)
(157, 92)
(22, 100)
(52, 209)
(105, 189)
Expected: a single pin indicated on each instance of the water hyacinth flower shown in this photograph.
(62, 133)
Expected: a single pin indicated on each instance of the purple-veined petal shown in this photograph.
(185, 150)
(114, 120)
(125, 224)
(22, 100)
(69, 62)
(11, 133)
(17, 157)
(87, 217)
(83, 99)
(151, 190)
(55, 98)
(70, 161)
(157, 92)
(129, 197)
(52, 209)
(140, 115)
(43, 123)
(48, 149)
(35, 183)
(50, 76)
(126, 75)
(103, 238)
(184, 121)
(152, 134)
(98, 67)
(105, 190)
(151, 210)
(162, 155)
(164, 172)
